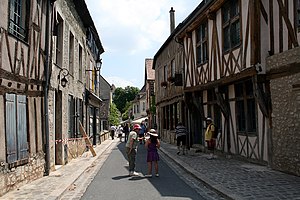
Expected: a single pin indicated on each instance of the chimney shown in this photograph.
(172, 20)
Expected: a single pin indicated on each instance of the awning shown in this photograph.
(92, 99)
(138, 121)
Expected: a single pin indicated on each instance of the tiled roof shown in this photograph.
(150, 73)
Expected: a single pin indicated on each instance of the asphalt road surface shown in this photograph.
(112, 181)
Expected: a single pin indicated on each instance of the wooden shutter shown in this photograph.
(22, 127)
(11, 132)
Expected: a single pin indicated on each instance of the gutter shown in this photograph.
(46, 88)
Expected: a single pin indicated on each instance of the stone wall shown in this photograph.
(286, 123)
(285, 95)
(12, 178)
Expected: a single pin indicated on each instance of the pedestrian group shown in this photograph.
(139, 135)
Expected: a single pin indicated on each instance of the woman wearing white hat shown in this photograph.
(152, 144)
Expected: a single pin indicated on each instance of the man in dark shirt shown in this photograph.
(181, 133)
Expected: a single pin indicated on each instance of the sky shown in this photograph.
(131, 31)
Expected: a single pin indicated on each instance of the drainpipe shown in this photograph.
(46, 87)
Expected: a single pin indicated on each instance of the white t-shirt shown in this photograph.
(132, 135)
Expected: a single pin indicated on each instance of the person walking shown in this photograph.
(120, 132)
(181, 133)
(112, 131)
(152, 144)
(210, 137)
(142, 132)
(131, 149)
(126, 131)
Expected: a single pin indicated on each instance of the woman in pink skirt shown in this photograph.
(152, 144)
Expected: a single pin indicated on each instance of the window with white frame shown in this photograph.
(17, 18)
(202, 43)
(231, 24)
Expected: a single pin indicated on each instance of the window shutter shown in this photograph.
(11, 132)
(22, 127)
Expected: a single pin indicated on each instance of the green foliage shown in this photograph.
(114, 115)
(122, 97)
(152, 106)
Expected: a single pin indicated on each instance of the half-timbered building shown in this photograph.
(222, 77)
(24, 49)
(168, 66)
(240, 67)
(150, 93)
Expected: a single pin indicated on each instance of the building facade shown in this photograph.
(24, 51)
(106, 97)
(76, 49)
(168, 65)
(139, 107)
(241, 67)
(150, 93)
(49, 84)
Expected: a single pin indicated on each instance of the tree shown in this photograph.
(122, 96)
(114, 115)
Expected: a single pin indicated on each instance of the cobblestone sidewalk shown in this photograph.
(236, 179)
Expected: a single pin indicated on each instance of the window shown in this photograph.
(165, 73)
(245, 107)
(231, 24)
(80, 63)
(16, 128)
(144, 106)
(91, 42)
(59, 41)
(17, 18)
(173, 68)
(71, 54)
(91, 76)
(202, 43)
(71, 116)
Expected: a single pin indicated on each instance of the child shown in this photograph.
(152, 144)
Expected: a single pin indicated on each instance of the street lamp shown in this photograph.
(64, 73)
(98, 64)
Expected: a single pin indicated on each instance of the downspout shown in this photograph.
(46, 87)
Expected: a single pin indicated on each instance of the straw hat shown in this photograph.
(153, 132)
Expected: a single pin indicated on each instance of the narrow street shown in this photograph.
(113, 182)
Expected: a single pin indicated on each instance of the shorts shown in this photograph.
(211, 144)
(182, 139)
